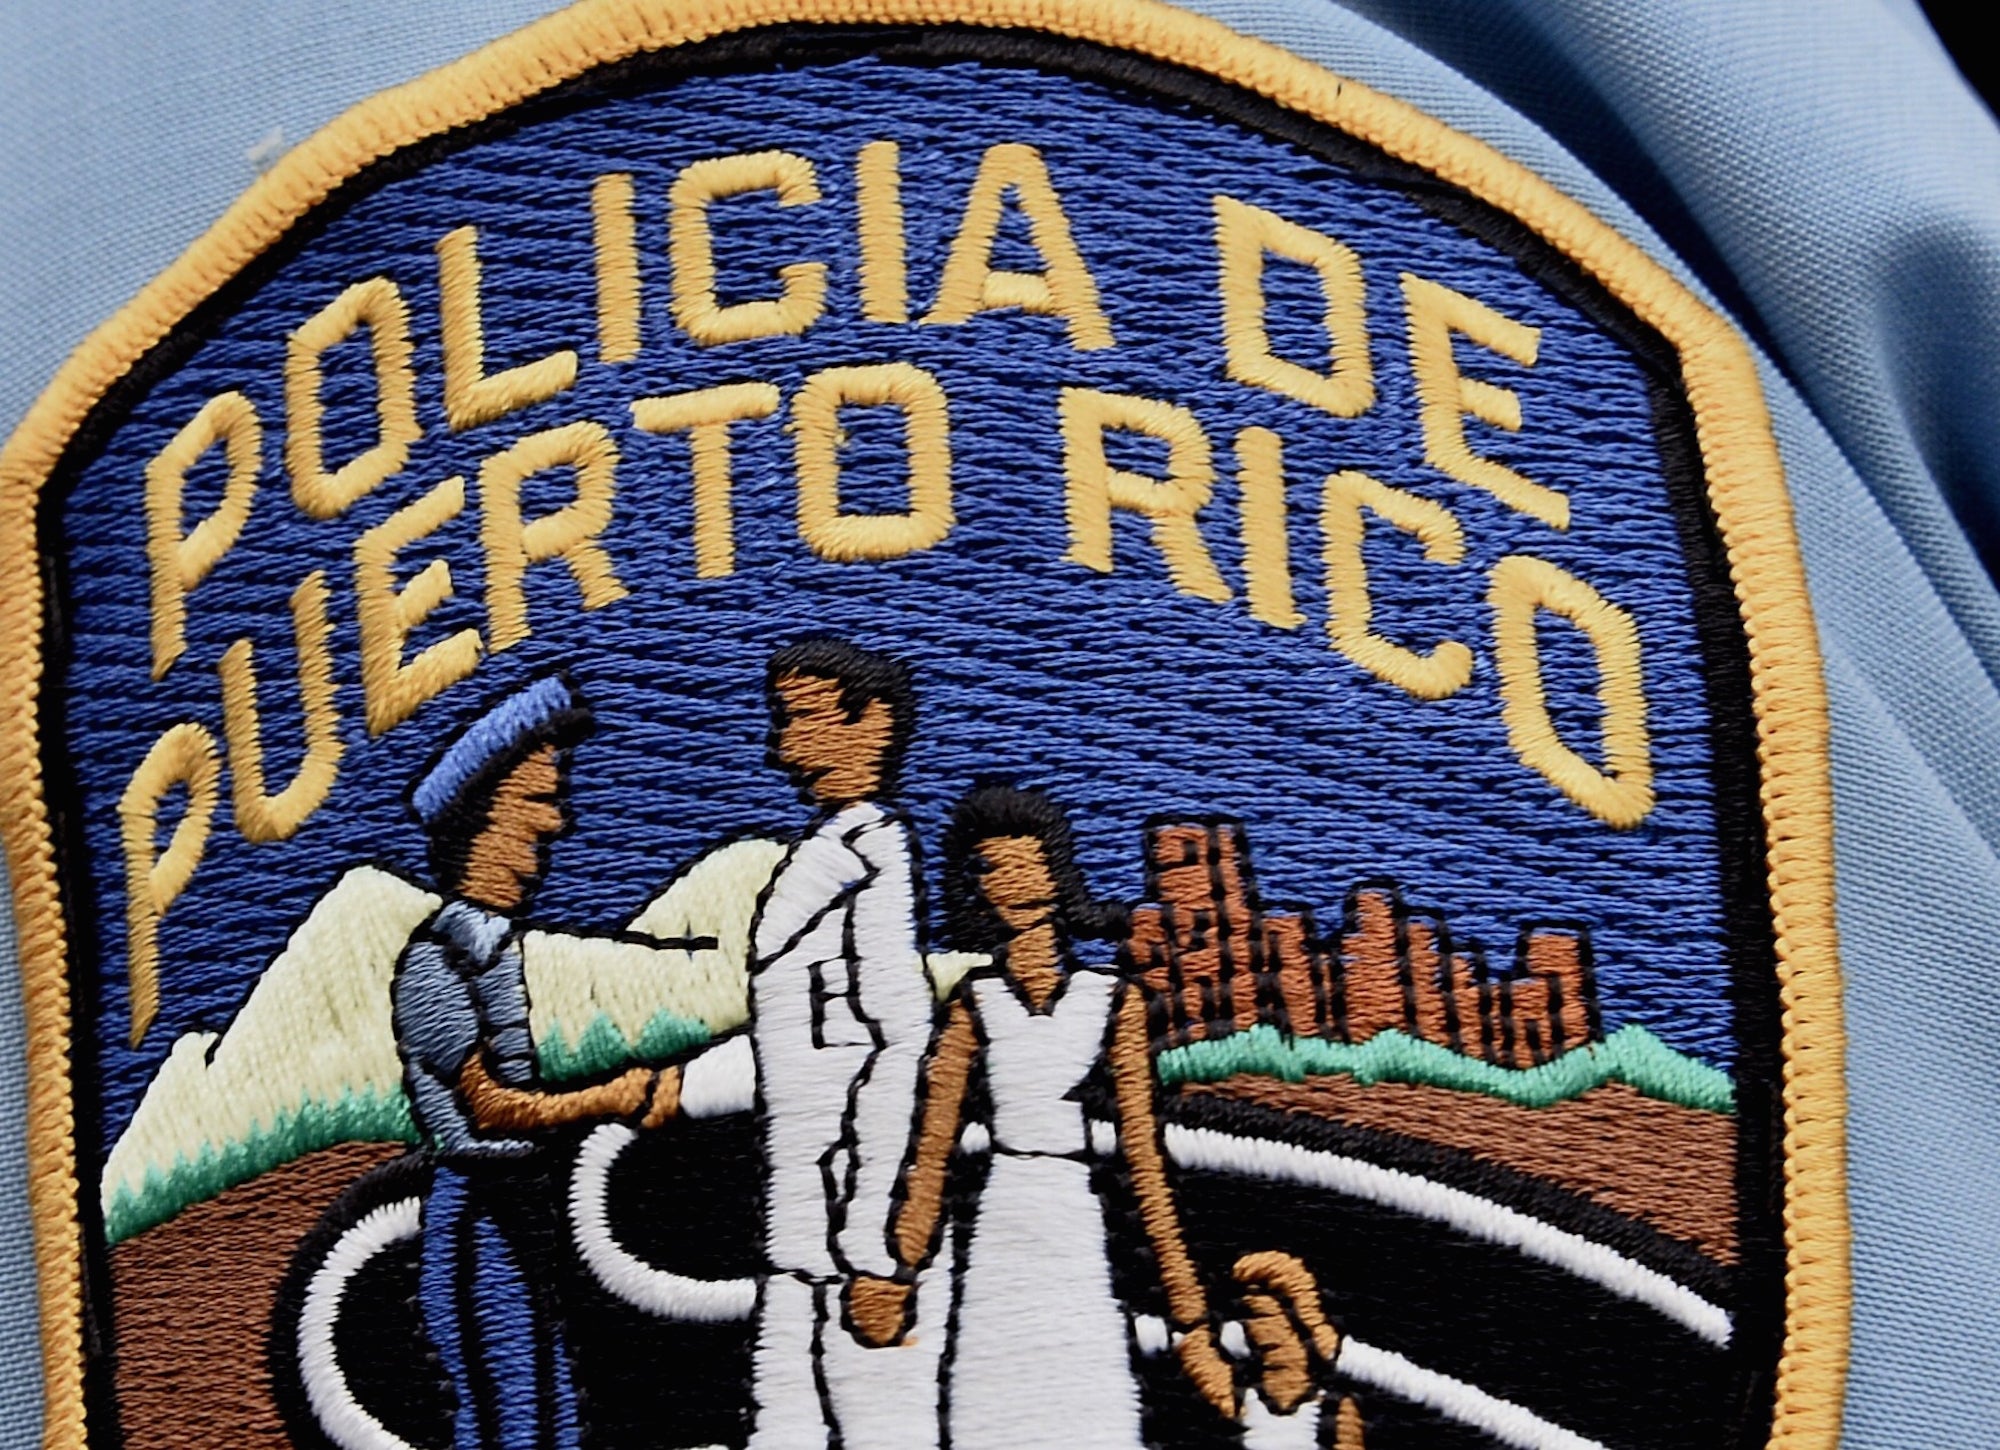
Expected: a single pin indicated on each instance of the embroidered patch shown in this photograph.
(910, 725)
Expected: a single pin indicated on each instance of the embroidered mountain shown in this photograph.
(309, 1060)
(1217, 962)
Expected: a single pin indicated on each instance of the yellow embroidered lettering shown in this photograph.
(1093, 488)
(1621, 793)
(262, 817)
(1447, 397)
(183, 757)
(884, 271)
(569, 534)
(471, 395)
(180, 560)
(392, 690)
(802, 293)
(617, 248)
(1351, 609)
(1064, 288)
(1244, 236)
(926, 440)
(1267, 555)
(378, 306)
(705, 415)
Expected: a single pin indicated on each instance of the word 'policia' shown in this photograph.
(394, 684)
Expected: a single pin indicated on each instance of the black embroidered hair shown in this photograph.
(993, 809)
(458, 825)
(863, 675)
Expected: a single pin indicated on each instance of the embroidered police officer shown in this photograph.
(491, 805)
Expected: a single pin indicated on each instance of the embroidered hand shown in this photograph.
(1202, 1358)
(878, 1309)
(664, 1101)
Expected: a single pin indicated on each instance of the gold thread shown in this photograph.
(262, 817)
(180, 561)
(1347, 1426)
(184, 756)
(378, 306)
(1621, 794)
(1064, 288)
(497, 1107)
(1733, 431)
(472, 395)
(705, 415)
(878, 184)
(1267, 550)
(391, 690)
(1447, 668)
(569, 534)
(802, 285)
(1447, 397)
(1244, 236)
(1093, 488)
(946, 1071)
(926, 439)
(617, 245)
(1273, 1269)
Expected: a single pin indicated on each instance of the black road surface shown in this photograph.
(1603, 1367)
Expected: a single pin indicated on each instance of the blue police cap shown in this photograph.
(550, 711)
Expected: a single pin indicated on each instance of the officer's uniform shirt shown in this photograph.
(460, 984)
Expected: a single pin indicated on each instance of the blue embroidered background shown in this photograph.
(1123, 696)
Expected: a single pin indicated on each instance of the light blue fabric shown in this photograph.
(1824, 174)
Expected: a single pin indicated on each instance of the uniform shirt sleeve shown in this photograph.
(436, 1022)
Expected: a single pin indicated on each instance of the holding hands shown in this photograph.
(878, 1309)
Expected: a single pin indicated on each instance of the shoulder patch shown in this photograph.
(917, 723)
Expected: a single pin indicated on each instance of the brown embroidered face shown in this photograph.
(506, 858)
(835, 756)
(1015, 879)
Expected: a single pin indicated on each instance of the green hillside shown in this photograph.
(1631, 1055)
(363, 1117)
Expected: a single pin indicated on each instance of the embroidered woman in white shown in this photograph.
(1041, 1353)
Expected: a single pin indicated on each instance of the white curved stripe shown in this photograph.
(1205, 1148)
(339, 1414)
(1504, 1420)
(657, 1291)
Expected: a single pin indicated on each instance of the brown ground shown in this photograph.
(1669, 1166)
(192, 1299)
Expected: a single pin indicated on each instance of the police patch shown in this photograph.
(910, 724)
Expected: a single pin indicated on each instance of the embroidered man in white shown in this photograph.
(841, 1011)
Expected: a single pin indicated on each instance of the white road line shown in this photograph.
(351, 1427)
(657, 1291)
(1454, 1399)
(340, 1415)
(1205, 1148)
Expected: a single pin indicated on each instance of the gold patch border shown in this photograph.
(1745, 483)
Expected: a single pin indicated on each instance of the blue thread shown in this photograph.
(1123, 697)
(500, 730)
(504, 1354)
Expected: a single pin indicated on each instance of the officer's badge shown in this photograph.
(922, 723)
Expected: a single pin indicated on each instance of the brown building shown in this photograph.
(1215, 961)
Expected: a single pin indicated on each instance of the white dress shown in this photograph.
(1041, 1356)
